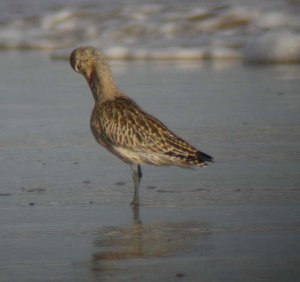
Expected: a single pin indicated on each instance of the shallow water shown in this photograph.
(64, 201)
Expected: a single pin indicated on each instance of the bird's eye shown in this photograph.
(78, 67)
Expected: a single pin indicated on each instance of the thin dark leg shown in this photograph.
(136, 175)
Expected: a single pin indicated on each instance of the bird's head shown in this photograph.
(83, 60)
(90, 62)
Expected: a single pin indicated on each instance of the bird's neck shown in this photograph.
(102, 86)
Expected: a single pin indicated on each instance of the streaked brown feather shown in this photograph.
(121, 123)
(122, 127)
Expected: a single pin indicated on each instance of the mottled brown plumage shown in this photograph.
(124, 129)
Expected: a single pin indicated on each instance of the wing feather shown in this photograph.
(122, 126)
(127, 125)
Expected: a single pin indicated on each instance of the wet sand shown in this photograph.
(64, 201)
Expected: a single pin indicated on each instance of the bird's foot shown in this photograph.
(135, 203)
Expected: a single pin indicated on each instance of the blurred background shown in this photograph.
(252, 31)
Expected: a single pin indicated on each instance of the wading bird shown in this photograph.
(125, 129)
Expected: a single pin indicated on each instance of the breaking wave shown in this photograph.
(215, 30)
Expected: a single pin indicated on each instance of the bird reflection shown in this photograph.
(121, 244)
(136, 215)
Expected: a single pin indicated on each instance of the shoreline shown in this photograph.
(64, 200)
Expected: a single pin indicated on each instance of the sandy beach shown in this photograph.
(64, 200)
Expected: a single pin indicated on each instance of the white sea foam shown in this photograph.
(56, 20)
(164, 30)
(274, 47)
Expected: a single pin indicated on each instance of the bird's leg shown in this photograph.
(136, 175)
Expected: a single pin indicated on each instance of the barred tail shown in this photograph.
(202, 157)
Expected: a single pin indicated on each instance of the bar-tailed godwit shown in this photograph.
(125, 129)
